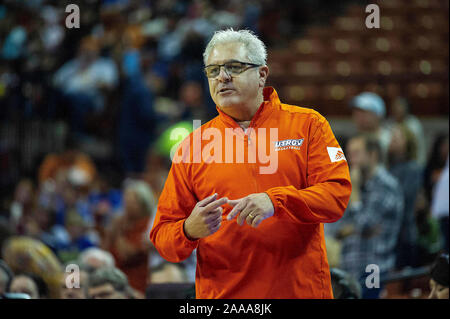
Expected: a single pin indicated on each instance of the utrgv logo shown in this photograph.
(288, 144)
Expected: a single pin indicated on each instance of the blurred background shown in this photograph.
(86, 115)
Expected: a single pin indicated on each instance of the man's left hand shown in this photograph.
(253, 209)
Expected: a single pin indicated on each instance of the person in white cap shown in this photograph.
(368, 112)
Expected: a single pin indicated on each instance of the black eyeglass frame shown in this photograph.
(250, 66)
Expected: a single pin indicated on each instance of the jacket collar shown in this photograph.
(271, 102)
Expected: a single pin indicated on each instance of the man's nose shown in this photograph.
(223, 76)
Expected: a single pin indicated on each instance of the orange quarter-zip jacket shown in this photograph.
(285, 256)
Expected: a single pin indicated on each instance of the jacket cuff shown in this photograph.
(275, 201)
(187, 242)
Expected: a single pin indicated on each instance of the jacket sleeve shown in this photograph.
(326, 196)
(174, 206)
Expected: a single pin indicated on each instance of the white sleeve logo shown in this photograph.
(336, 154)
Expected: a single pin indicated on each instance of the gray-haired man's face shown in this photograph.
(233, 91)
(105, 291)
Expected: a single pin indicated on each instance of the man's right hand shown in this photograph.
(205, 219)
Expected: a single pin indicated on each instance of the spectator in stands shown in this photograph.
(429, 241)
(72, 163)
(169, 273)
(108, 283)
(402, 152)
(401, 115)
(6, 276)
(137, 121)
(439, 278)
(84, 82)
(440, 203)
(42, 225)
(68, 288)
(436, 163)
(52, 32)
(192, 102)
(344, 285)
(371, 224)
(29, 284)
(127, 238)
(157, 168)
(105, 202)
(23, 206)
(65, 180)
(78, 237)
(5, 230)
(27, 255)
(368, 112)
(94, 258)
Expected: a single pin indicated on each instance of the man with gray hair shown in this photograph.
(275, 248)
(108, 283)
(94, 258)
(74, 286)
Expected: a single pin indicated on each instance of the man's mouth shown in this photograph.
(225, 90)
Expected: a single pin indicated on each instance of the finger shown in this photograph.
(236, 209)
(216, 215)
(215, 204)
(250, 217)
(216, 211)
(243, 215)
(215, 229)
(234, 202)
(215, 225)
(213, 219)
(216, 222)
(207, 200)
(256, 221)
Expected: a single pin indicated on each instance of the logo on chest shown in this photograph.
(291, 144)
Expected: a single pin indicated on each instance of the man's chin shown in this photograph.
(227, 105)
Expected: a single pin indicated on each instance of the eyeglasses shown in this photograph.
(232, 68)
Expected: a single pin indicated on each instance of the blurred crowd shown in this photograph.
(397, 216)
(132, 69)
(130, 74)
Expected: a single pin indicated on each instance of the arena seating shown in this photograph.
(407, 55)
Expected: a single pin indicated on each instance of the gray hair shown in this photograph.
(109, 275)
(93, 252)
(256, 50)
(144, 194)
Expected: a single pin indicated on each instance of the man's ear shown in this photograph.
(263, 74)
